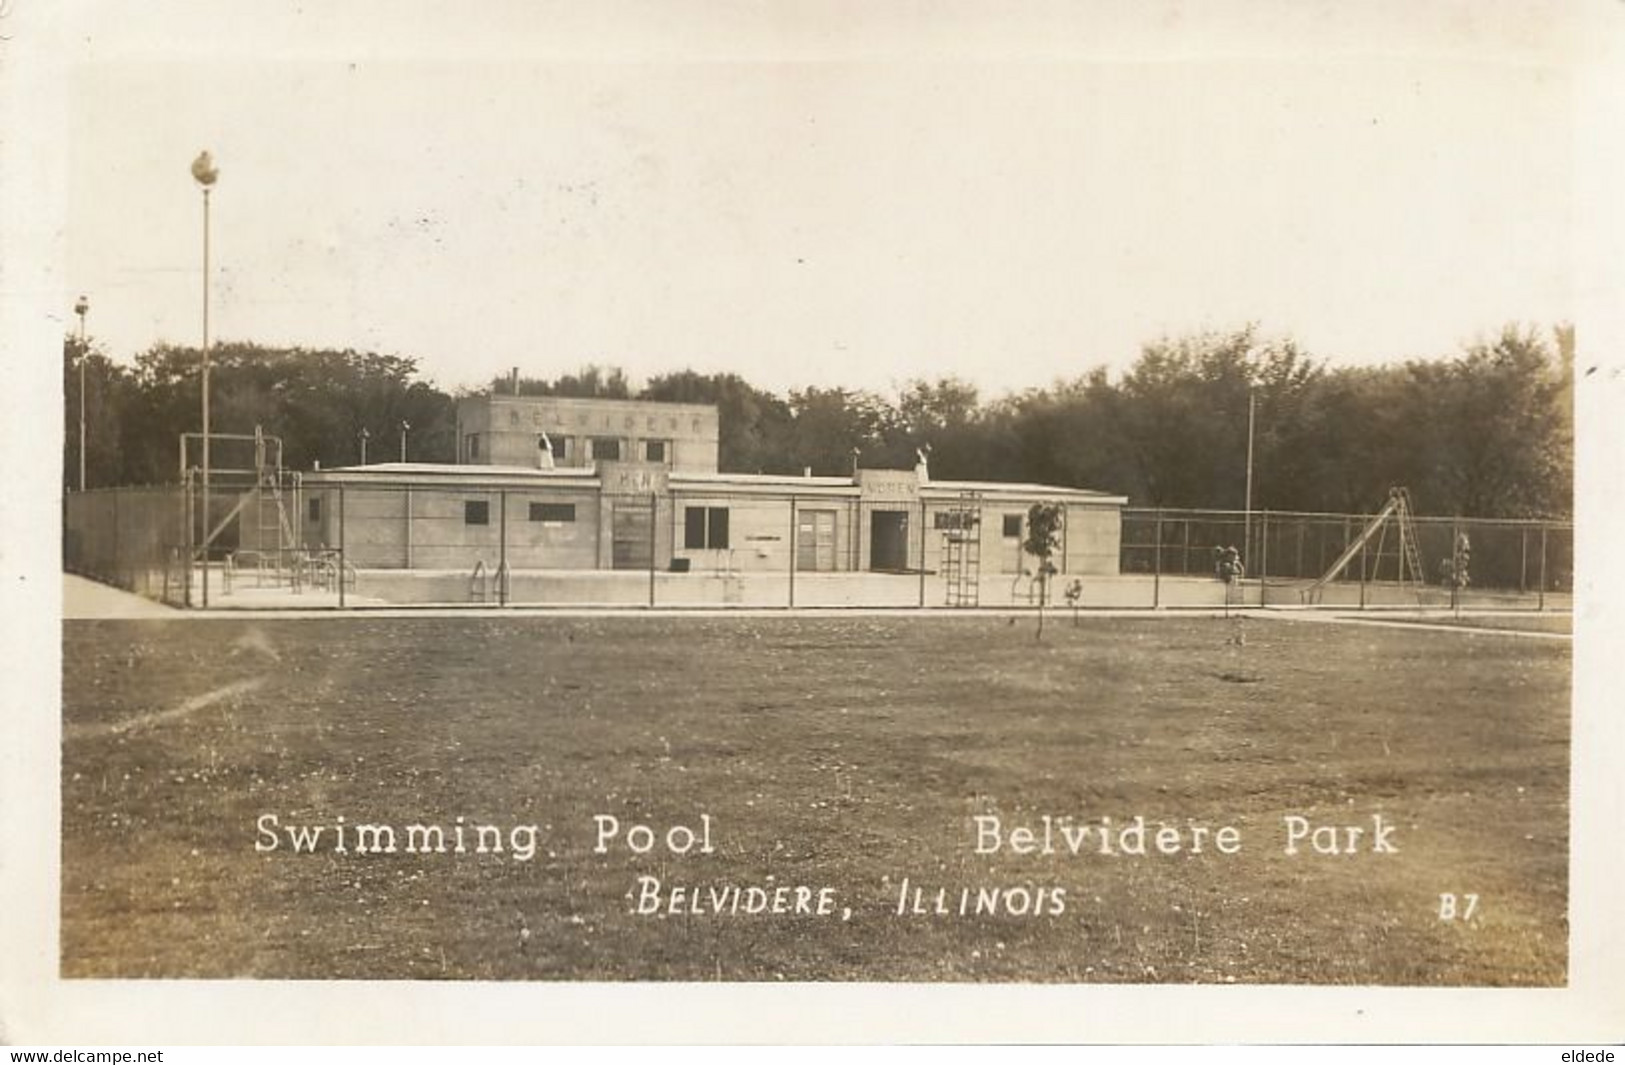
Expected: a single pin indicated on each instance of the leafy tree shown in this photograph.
(1043, 537)
(829, 425)
(753, 425)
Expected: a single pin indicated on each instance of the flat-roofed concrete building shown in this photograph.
(555, 486)
(497, 430)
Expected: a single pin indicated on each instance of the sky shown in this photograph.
(820, 194)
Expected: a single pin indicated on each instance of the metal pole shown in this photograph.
(1247, 519)
(206, 404)
(341, 547)
(1156, 565)
(653, 520)
(922, 554)
(1542, 567)
(1523, 560)
(82, 307)
(793, 546)
(1264, 560)
(502, 538)
(1362, 576)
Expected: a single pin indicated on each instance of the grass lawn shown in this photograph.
(842, 753)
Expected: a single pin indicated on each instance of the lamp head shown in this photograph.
(81, 307)
(204, 170)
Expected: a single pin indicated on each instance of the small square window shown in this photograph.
(476, 512)
(1012, 526)
(705, 527)
(606, 447)
(654, 451)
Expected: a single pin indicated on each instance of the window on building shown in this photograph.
(476, 512)
(561, 446)
(954, 519)
(705, 527)
(654, 451)
(314, 508)
(473, 445)
(1012, 526)
(552, 512)
(606, 447)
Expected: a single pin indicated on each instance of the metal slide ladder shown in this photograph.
(1399, 509)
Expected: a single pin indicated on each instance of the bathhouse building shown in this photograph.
(561, 484)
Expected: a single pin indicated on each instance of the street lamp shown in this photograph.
(364, 436)
(205, 174)
(405, 425)
(82, 308)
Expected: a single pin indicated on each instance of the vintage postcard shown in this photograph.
(820, 522)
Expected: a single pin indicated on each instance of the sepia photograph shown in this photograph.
(761, 511)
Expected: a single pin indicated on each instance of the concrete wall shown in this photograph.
(377, 534)
(508, 427)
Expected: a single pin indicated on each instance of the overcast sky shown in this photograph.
(821, 194)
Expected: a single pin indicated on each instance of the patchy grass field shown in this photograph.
(847, 753)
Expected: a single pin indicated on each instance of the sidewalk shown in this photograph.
(84, 600)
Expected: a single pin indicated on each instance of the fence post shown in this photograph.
(1523, 560)
(1542, 568)
(341, 547)
(792, 601)
(922, 553)
(502, 548)
(1156, 564)
(191, 538)
(654, 524)
(118, 559)
(1362, 575)
(1264, 559)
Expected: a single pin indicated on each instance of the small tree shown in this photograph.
(1074, 597)
(1043, 537)
(1456, 569)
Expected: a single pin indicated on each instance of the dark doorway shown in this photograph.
(630, 528)
(888, 540)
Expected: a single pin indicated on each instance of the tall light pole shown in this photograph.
(205, 174)
(405, 425)
(364, 435)
(82, 308)
(1247, 527)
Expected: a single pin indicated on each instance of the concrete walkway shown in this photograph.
(84, 600)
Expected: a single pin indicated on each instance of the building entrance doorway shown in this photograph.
(630, 528)
(815, 540)
(888, 540)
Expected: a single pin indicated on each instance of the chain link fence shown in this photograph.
(742, 545)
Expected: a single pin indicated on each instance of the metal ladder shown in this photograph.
(1410, 555)
(962, 552)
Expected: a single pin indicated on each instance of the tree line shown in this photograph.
(1487, 432)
